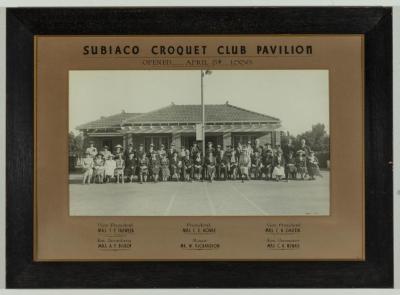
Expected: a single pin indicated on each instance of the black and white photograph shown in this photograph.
(199, 143)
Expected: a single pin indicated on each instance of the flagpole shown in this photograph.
(203, 144)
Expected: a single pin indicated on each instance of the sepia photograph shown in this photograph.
(199, 143)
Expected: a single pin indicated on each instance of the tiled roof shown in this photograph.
(108, 122)
(192, 114)
(182, 114)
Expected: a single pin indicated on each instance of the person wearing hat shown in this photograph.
(198, 166)
(313, 166)
(91, 150)
(149, 156)
(120, 168)
(155, 166)
(233, 171)
(225, 167)
(118, 151)
(87, 165)
(244, 163)
(161, 151)
(288, 154)
(257, 146)
(219, 155)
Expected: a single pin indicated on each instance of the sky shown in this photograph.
(300, 98)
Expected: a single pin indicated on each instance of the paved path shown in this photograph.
(254, 197)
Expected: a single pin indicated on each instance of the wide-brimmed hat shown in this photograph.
(106, 147)
(151, 144)
(118, 146)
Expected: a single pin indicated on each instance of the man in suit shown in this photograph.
(219, 154)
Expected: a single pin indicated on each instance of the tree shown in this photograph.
(317, 139)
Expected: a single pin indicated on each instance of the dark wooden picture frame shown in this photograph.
(375, 23)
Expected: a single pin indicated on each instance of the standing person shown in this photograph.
(99, 168)
(155, 166)
(164, 167)
(128, 151)
(288, 149)
(188, 168)
(256, 164)
(140, 152)
(279, 163)
(233, 165)
(106, 152)
(118, 151)
(249, 148)
(109, 168)
(219, 155)
(171, 151)
(301, 164)
(149, 156)
(244, 163)
(174, 166)
(87, 165)
(143, 168)
(257, 146)
(210, 165)
(194, 150)
(226, 162)
(131, 166)
(291, 170)
(162, 151)
(91, 150)
(304, 147)
(198, 166)
(120, 167)
(267, 162)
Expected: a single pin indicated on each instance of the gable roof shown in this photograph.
(215, 113)
(192, 114)
(108, 122)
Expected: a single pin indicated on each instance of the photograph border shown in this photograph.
(23, 23)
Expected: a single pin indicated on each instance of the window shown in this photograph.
(243, 139)
(157, 141)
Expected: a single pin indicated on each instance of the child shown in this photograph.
(143, 168)
(164, 167)
(87, 164)
(120, 166)
(130, 167)
(109, 168)
(98, 168)
(279, 171)
(313, 166)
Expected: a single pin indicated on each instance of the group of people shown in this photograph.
(244, 162)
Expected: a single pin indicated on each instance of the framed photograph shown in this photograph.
(234, 147)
